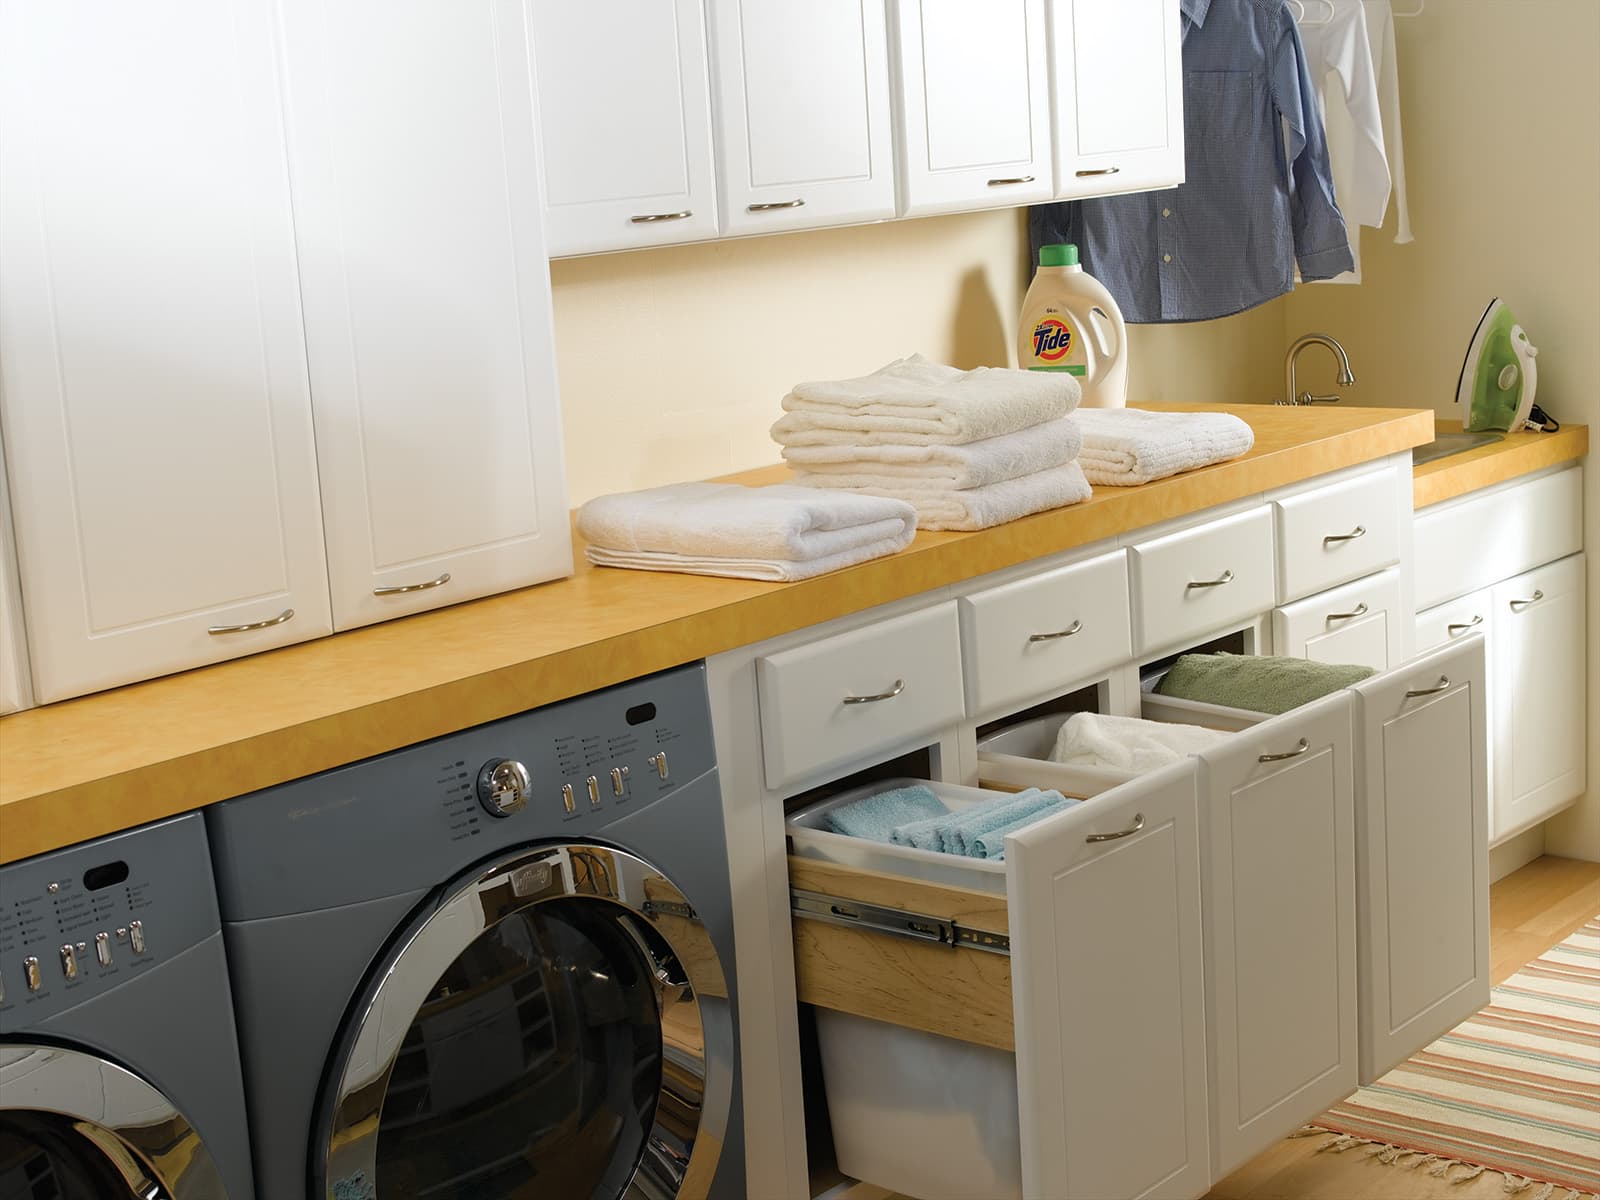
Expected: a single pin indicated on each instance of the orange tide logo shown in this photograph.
(1052, 340)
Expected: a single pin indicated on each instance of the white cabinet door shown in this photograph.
(625, 122)
(1278, 858)
(973, 104)
(1116, 95)
(151, 357)
(803, 126)
(1108, 994)
(16, 691)
(1539, 627)
(1422, 851)
(427, 301)
(1358, 623)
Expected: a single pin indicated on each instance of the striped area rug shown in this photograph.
(1514, 1089)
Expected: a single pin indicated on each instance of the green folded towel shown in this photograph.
(1256, 682)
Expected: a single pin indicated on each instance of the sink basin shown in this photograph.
(1451, 443)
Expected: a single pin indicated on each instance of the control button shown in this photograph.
(122, 933)
(102, 948)
(503, 786)
(69, 962)
(659, 762)
(30, 972)
(136, 936)
(568, 801)
(593, 784)
(618, 775)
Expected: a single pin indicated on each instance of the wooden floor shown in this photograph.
(1530, 910)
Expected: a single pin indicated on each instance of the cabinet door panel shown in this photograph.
(1107, 987)
(16, 691)
(1358, 623)
(427, 301)
(151, 354)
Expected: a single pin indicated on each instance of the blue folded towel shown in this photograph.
(979, 831)
(876, 817)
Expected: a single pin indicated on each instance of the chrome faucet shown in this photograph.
(1346, 377)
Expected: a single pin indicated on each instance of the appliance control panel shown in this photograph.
(78, 922)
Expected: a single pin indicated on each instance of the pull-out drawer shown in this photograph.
(1359, 622)
(1337, 532)
(880, 686)
(1192, 582)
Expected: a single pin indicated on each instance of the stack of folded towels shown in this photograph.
(1124, 447)
(967, 449)
(914, 816)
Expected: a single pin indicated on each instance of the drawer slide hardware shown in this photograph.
(894, 922)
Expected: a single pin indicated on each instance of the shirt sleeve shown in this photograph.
(1321, 244)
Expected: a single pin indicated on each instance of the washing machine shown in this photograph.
(119, 1069)
(496, 964)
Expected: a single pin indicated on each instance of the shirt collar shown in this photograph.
(1195, 11)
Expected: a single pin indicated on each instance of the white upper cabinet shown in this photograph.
(15, 691)
(803, 127)
(973, 116)
(625, 111)
(151, 358)
(1116, 95)
(418, 217)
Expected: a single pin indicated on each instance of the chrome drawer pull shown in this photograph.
(1457, 626)
(1358, 531)
(1101, 171)
(1441, 686)
(1519, 605)
(1360, 610)
(1138, 824)
(1295, 753)
(768, 207)
(1004, 182)
(412, 587)
(899, 686)
(267, 624)
(649, 217)
(1225, 577)
(1060, 633)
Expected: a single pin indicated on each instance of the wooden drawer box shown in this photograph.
(1197, 581)
(1334, 533)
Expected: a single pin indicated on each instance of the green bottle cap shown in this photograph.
(1058, 256)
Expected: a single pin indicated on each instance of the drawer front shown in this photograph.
(1492, 536)
(1472, 613)
(1054, 629)
(1356, 623)
(1338, 532)
(875, 687)
(1201, 580)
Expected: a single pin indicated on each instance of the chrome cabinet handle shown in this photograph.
(647, 218)
(899, 686)
(1359, 610)
(1060, 633)
(1457, 626)
(1358, 531)
(1519, 605)
(1441, 686)
(1225, 577)
(1295, 753)
(412, 587)
(246, 628)
(1101, 171)
(1004, 182)
(774, 204)
(1138, 824)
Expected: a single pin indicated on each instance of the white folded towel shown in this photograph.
(916, 402)
(979, 507)
(973, 465)
(781, 532)
(1124, 447)
(1129, 743)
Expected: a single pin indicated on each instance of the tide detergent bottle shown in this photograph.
(1070, 323)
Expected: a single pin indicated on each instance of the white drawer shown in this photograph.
(1052, 629)
(1337, 532)
(1356, 623)
(871, 689)
(1201, 580)
(1472, 543)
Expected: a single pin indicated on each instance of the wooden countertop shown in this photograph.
(83, 768)
(1517, 454)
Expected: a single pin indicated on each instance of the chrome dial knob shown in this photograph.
(503, 786)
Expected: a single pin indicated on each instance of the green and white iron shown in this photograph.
(1497, 380)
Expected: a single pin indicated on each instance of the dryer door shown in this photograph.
(72, 1124)
(540, 1030)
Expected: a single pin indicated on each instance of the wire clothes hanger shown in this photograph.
(1298, 9)
(1417, 11)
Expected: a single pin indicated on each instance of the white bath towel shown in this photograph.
(980, 507)
(916, 402)
(1129, 743)
(780, 532)
(976, 464)
(1124, 447)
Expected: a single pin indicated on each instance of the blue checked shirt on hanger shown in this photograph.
(1252, 207)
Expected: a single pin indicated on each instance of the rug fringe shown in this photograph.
(1438, 1165)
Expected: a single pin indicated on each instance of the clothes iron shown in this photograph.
(1496, 386)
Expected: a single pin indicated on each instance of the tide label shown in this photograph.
(1053, 343)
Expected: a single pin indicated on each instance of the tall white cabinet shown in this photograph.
(16, 691)
(151, 359)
